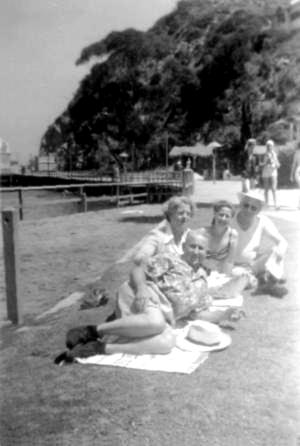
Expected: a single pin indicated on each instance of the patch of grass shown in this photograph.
(245, 395)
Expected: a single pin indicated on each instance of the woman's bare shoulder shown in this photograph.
(205, 230)
(234, 232)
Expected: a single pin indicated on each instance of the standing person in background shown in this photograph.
(295, 169)
(270, 172)
(251, 166)
(188, 164)
(178, 166)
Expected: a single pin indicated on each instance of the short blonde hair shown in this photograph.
(171, 206)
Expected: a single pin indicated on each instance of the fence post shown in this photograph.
(131, 195)
(20, 204)
(11, 264)
(83, 202)
(118, 195)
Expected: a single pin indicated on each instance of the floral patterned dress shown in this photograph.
(174, 287)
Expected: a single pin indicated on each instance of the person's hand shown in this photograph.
(141, 297)
(235, 314)
(170, 319)
(278, 253)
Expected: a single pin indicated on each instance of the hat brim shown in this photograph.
(183, 343)
(251, 196)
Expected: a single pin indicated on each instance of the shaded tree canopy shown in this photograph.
(219, 69)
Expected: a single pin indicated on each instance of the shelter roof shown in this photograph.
(198, 149)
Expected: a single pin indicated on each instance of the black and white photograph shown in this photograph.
(150, 223)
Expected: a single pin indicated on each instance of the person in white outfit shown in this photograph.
(270, 172)
(260, 247)
(295, 169)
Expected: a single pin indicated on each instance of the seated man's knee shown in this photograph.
(155, 319)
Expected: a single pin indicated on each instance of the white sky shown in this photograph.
(40, 41)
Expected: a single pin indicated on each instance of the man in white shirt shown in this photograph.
(260, 247)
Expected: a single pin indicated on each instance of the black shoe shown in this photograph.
(278, 291)
(269, 278)
(63, 358)
(273, 289)
(91, 348)
(81, 335)
(111, 317)
(281, 281)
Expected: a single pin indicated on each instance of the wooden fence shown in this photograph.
(146, 186)
(148, 176)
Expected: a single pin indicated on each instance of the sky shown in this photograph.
(40, 40)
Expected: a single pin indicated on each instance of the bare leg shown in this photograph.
(274, 187)
(230, 289)
(266, 190)
(149, 323)
(158, 344)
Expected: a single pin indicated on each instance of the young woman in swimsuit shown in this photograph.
(222, 239)
(221, 246)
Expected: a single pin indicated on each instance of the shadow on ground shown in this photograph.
(154, 219)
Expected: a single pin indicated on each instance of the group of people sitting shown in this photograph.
(175, 277)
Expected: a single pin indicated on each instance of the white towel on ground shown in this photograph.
(177, 361)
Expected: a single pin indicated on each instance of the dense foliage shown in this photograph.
(210, 70)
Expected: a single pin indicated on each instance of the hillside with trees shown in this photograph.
(210, 70)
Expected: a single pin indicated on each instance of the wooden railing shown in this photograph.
(151, 176)
(138, 185)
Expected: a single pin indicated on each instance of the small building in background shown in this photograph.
(8, 162)
(5, 156)
(46, 163)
